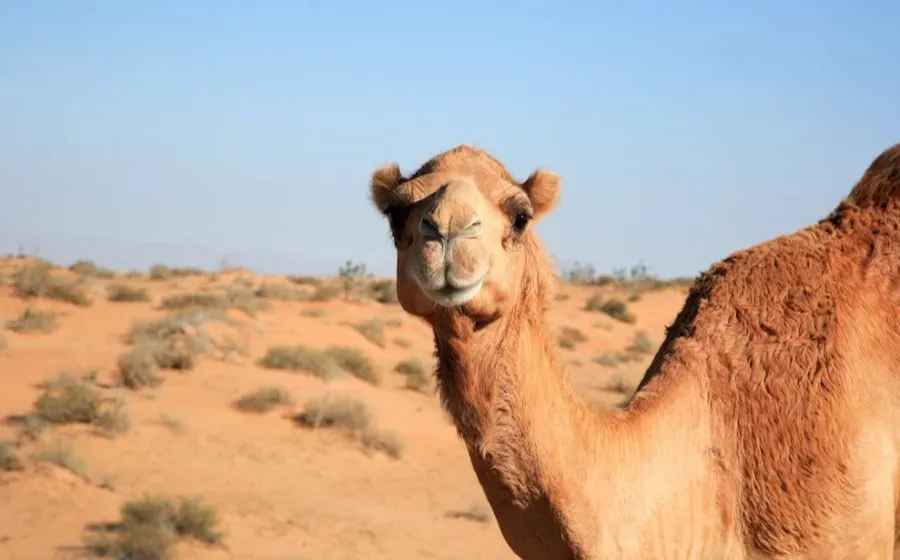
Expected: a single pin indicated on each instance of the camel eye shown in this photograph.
(397, 219)
(521, 221)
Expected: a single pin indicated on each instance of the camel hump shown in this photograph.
(881, 181)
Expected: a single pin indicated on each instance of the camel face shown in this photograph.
(459, 226)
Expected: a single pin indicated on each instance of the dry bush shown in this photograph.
(336, 411)
(373, 330)
(37, 280)
(302, 358)
(9, 459)
(69, 400)
(641, 345)
(151, 527)
(175, 323)
(196, 299)
(305, 280)
(477, 511)
(177, 339)
(594, 303)
(33, 321)
(314, 312)
(569, 337)
(90, 269)
(126, 293)
(353, 417)
(163, 272)
(245, 299)
(609, 359)
(138, 369)
(417, 378)
(326, 292)
(264, 399)
(618, 309)
(388, 442)
(355, 362)
(281, 292)
(619, 384)
(384, 291)
(403, 343)
(62, 454)
(4, 343)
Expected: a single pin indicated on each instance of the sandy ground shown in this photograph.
(282, 491)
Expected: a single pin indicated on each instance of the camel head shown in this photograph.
(462, 229)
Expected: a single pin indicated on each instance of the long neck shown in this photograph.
(523, 426)
(553, 466)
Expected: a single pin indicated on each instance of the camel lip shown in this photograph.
(454, 297)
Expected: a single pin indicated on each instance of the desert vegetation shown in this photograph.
(168, 410)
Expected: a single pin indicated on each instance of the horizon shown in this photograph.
(137, 134)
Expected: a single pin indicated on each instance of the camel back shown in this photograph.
(881, 181)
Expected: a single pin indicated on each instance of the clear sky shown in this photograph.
(189, 132)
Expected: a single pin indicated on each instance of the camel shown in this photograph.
(763, 428)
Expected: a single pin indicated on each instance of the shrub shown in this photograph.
(618, 309)
(69, 400)
(138, 369)
(410, 366)
(150, 528)
(336, 411)
(373, 330)
(569, 337)
(36, 280)
(33, 321)
(354, 362)
(9, 460)
(263, 400)
(302, 358)
(126, 293)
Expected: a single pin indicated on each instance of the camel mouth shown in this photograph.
(448, 296)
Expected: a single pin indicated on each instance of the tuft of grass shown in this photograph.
(641, 344)
(302, 358)
(618, 310)
(282, 292)
(115, 419)
(9, 459)
(388, 442)
(608, 359)
(196, 299)
(385, 291)
(151, 527)
(91, 269)
(355, 362)
(62, 454)
(126, 293)
(404, 343)
(336, 411)
(594, 303)
(138, 369)
(373, 330)
(569, 337)
(313, 312)
(68, 400)
(417, 378)
(305, 280)
(37, 280)
(33, 321)
(477, 511)
(264, 399)
(410, 366)
(326, 292)
(619, 384)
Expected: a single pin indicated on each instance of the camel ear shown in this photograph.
(542, 188)
(384, 182)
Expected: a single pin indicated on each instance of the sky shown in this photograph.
(202, 133)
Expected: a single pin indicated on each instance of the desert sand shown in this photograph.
(374, 470)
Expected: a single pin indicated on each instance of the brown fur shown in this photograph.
(763, 428)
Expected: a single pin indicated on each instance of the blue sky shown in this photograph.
(191, 132)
